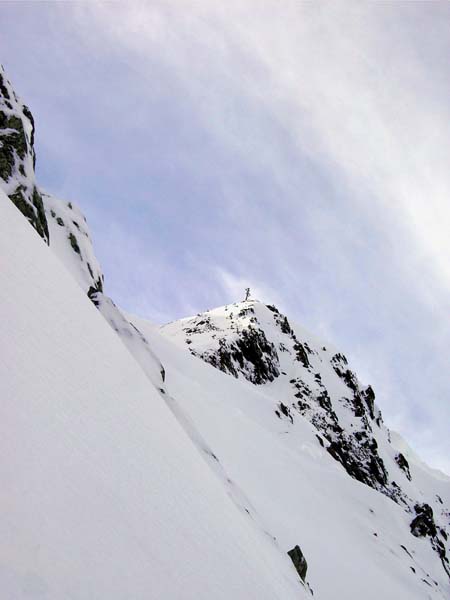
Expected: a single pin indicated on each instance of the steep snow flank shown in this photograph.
(103, 494)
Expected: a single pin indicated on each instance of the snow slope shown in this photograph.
(103, 495)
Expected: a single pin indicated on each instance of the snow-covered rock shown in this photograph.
(71, 241)
(17, 157)
(307, 379)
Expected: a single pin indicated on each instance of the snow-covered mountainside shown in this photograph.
(227, 455)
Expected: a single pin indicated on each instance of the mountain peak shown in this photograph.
(306, 379)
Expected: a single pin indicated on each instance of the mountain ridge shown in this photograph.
(255, 341)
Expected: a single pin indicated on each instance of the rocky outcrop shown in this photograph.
(355, 449)
(299, 561)
(403, 464)
(71, 240)
(424, 525)
(257, 342)
(17, 157)
(247, 352)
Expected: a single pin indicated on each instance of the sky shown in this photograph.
(301, 149)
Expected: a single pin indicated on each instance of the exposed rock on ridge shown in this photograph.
(17, 157)
(307, 380)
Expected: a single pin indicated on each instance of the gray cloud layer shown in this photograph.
(299, 148)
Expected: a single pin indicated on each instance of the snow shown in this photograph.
(103, 495)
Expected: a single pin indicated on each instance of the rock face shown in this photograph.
(308, 380)
(17, 157)
(403, 464)
(299, 561)
(423, 525)
(249, 353)
(257, 342)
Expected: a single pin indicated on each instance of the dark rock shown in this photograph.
(3, 89)
(40, 224)
(251, 354)
(301, 354)
(423, 524)
(273, 308)
(363, 465)
(15, 169)
(74, 243)
(285, 327)
(324, 401)
(338, 359)
(369, 397)
(286, 411)
(358, 407)
(92, 295)
(403, 464)
(34, 211)
(299, 561)
(27, 112)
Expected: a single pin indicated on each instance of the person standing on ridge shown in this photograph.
(247, 294)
